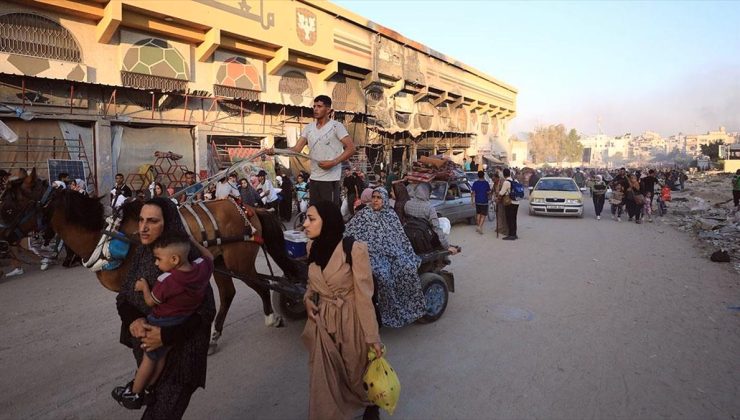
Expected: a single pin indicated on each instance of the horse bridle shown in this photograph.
(32, 209)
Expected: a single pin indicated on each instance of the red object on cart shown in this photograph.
(665, 193)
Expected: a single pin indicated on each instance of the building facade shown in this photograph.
(111, 82)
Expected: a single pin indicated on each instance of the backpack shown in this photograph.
(422, 236)
(517, 189)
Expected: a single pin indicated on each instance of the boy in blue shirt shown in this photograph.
(481, 197)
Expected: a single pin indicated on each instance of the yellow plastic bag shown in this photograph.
(381, 383)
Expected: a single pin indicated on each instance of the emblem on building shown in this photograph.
(306, 26)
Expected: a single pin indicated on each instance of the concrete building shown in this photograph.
(110, 82)
(519, 155)
(605, 150)
(695, 141)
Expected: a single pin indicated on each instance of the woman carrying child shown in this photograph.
(185, 370)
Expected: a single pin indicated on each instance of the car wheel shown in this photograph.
(471, 220)
(436, 295)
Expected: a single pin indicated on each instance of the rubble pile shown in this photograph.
(705, 208)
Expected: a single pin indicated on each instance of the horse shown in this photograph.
(234, 236)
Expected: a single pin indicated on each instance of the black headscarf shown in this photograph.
(332, 230)
(143, 264)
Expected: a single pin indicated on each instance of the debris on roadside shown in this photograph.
(705, 208)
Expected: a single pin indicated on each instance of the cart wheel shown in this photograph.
(298, 224)
(292, 309)
(435, 295)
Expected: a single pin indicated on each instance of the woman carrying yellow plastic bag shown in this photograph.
(381, 382)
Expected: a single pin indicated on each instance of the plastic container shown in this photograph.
(295, 243)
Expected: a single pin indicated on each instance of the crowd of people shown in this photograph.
(362, 267)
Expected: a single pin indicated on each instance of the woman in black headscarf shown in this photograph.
(341, 316)
(185, 370)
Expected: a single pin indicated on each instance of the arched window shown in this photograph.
(28, 34)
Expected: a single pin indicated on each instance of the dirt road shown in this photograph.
(577, 319)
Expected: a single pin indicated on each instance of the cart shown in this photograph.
(436, 285)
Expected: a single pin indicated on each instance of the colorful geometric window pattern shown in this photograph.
(155, 57)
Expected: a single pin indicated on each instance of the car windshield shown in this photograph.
(439, 190)
(546, 184)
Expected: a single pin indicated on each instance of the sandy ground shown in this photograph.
(578, 319)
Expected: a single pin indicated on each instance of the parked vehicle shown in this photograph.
(557, 196)
(473, 176)
(452, 199)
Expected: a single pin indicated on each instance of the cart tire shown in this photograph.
(436, 294)
(298, 224)
(291, 309)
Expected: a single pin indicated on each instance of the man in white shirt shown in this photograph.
(329, 145)
(267, 191)
(227, 187)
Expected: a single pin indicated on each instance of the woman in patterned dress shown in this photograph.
(394, 263)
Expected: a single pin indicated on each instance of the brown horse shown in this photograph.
(29, 205)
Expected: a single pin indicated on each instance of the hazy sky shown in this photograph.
(660, 66)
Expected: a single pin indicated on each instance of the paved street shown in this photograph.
(577, 319)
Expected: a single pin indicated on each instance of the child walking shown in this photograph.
(617, 202)
(179, 291)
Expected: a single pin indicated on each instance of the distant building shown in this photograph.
(695, 141)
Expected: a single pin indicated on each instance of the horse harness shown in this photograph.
(33, 208)
(249, 232)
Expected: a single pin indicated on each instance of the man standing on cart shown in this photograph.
(329, 144)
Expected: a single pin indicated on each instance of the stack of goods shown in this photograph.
(428, 169)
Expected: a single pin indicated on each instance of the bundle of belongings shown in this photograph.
(428, 169)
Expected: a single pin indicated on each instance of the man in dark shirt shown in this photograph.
(621, 178)
(191, 188)
(482, 195)
(119, 190)
(647, 185)
(350, 187)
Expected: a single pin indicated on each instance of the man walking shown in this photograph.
(481, 197)
(736, 188)
(329, 145)
(511, 204)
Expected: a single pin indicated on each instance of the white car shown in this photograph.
(556, 196)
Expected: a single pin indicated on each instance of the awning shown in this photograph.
(494, 160)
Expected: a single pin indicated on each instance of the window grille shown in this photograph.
(146, 81)
(28, 34)
(238, 93)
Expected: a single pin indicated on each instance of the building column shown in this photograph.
(200, 146)
(103, 156)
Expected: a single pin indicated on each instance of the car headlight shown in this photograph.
(573, 201)
(538, 200)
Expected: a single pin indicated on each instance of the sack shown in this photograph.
(639, 199)
(517, 190)
(381, 383)
(506, 200)
(720, 256)
(444, 224)
(422, 236)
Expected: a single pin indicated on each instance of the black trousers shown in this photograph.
(324, 191)
(511, 211)
(736, 197)
(598, 203)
